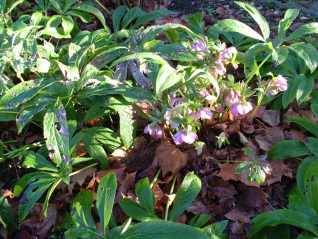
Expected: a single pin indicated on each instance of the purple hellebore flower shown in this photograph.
(233, 97)
(185, 137)
(206, 95)
(204, 113)
(241, 109)
(199, 46)
(154, 131)
(227, 54)
(278, 84)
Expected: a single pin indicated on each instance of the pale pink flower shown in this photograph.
(241, 109)
(184, 137)
(278, 84)
(154, 131)
(233, 97)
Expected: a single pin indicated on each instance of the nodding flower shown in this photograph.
(199, 46)
(233, 97)
(241, 108)
(227, 54)
(278, 84)
(183, 136)
(154, 131)
(204, 113)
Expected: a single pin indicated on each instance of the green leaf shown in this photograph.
(303, 30)
(196, 22)
(82, 233)
(126, 123)
(145, 194)
(37, 161)
(136, 211)
(314, 102)
(312, 145)
(167, 77)
(286, 22)
(161, 230)
(105, 198)
(98, 152)
(307, 181)
(59, 27)
(288, 149)
(131, 15)
(308, 53)
(7, 217)
(81, 210)
(283, 216)
(305, 123)
(186, 194)
(151, 16)
(216, 230)
(290, 95)
(89, 8)
(118, 14)
(56, 134)
(37, 186)
(258, 18)
(231, 25)
(305, 88)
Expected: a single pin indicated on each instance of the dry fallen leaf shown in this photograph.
(278, 170)
(169, 158)
(227, 172)
(238, 215)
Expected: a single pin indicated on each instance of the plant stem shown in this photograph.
(155, 178)
(169, 198)
(82, 169)
(103, 7)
